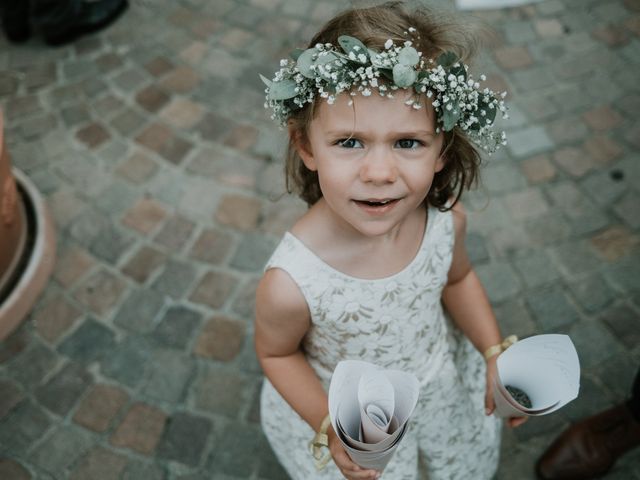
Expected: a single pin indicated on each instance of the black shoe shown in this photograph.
(589, 448)
(78, 17)
(15, 20)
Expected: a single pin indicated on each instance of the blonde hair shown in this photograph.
(435, 33)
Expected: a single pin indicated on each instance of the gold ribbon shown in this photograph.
(500, 347)
(320, 441)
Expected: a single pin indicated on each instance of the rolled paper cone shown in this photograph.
(374, 447)
(376, 460)
(504, 407)
(374, 430)
(545, 367)
(345, 410)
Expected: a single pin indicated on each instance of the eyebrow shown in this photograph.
(407, 134)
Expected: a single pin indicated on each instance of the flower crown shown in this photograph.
(328, 71)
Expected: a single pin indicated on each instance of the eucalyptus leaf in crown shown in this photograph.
(328, 71)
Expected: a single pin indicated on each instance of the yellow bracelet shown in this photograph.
(320, 440)
(500, 347)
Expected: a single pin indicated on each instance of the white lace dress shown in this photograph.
(395, 322)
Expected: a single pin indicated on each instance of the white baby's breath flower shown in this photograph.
(455, 92)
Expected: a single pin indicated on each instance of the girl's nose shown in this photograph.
(379, 167)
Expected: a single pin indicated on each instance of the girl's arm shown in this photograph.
(282, 320)
(464, 297)
(466, 301)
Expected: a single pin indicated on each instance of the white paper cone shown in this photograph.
(374, 459)
(545, 367)
(348, 405)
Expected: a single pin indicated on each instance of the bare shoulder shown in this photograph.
(460, 264)
(282, 314)
(459, 220)
(278, 294)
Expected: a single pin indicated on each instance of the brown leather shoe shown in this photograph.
(589, 448)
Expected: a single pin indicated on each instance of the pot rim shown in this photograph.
(40, 265)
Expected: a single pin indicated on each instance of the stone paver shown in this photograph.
(140, 429)
(221, 339)
(100, 463)
(62, 392)
(164, 176)
(185, 438)
(100, 406)
(12, 469)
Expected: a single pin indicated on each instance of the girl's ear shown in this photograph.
(441, 162)
(303, 148)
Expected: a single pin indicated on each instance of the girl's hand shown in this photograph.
(489, 403)
(350, 470)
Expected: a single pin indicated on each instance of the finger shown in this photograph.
(489, 403)
(358, 472)
(517, 421)
(361, 475)
(352, 470)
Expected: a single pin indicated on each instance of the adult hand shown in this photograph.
(489, 403)
(350, 470)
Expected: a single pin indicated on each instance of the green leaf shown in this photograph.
(330, 57)
(282, 90)
(295, 53)
(447, 59)
(265, 80)
(459, 70)
(350, 44)
(450, 117)
(376, 61)
(386, 73)
(490, 113)
(408, 56)
(304, 62)
(403, 75)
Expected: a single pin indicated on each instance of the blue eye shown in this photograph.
(408, 143)
(348, 143)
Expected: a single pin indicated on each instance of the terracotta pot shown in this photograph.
(27, 243)
(13, 225)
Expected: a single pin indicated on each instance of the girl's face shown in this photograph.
(375, 165)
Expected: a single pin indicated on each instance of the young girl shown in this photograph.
(380, 111)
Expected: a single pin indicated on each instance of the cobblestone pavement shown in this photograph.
(163, 173)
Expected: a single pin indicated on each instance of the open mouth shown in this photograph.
(377, 204)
